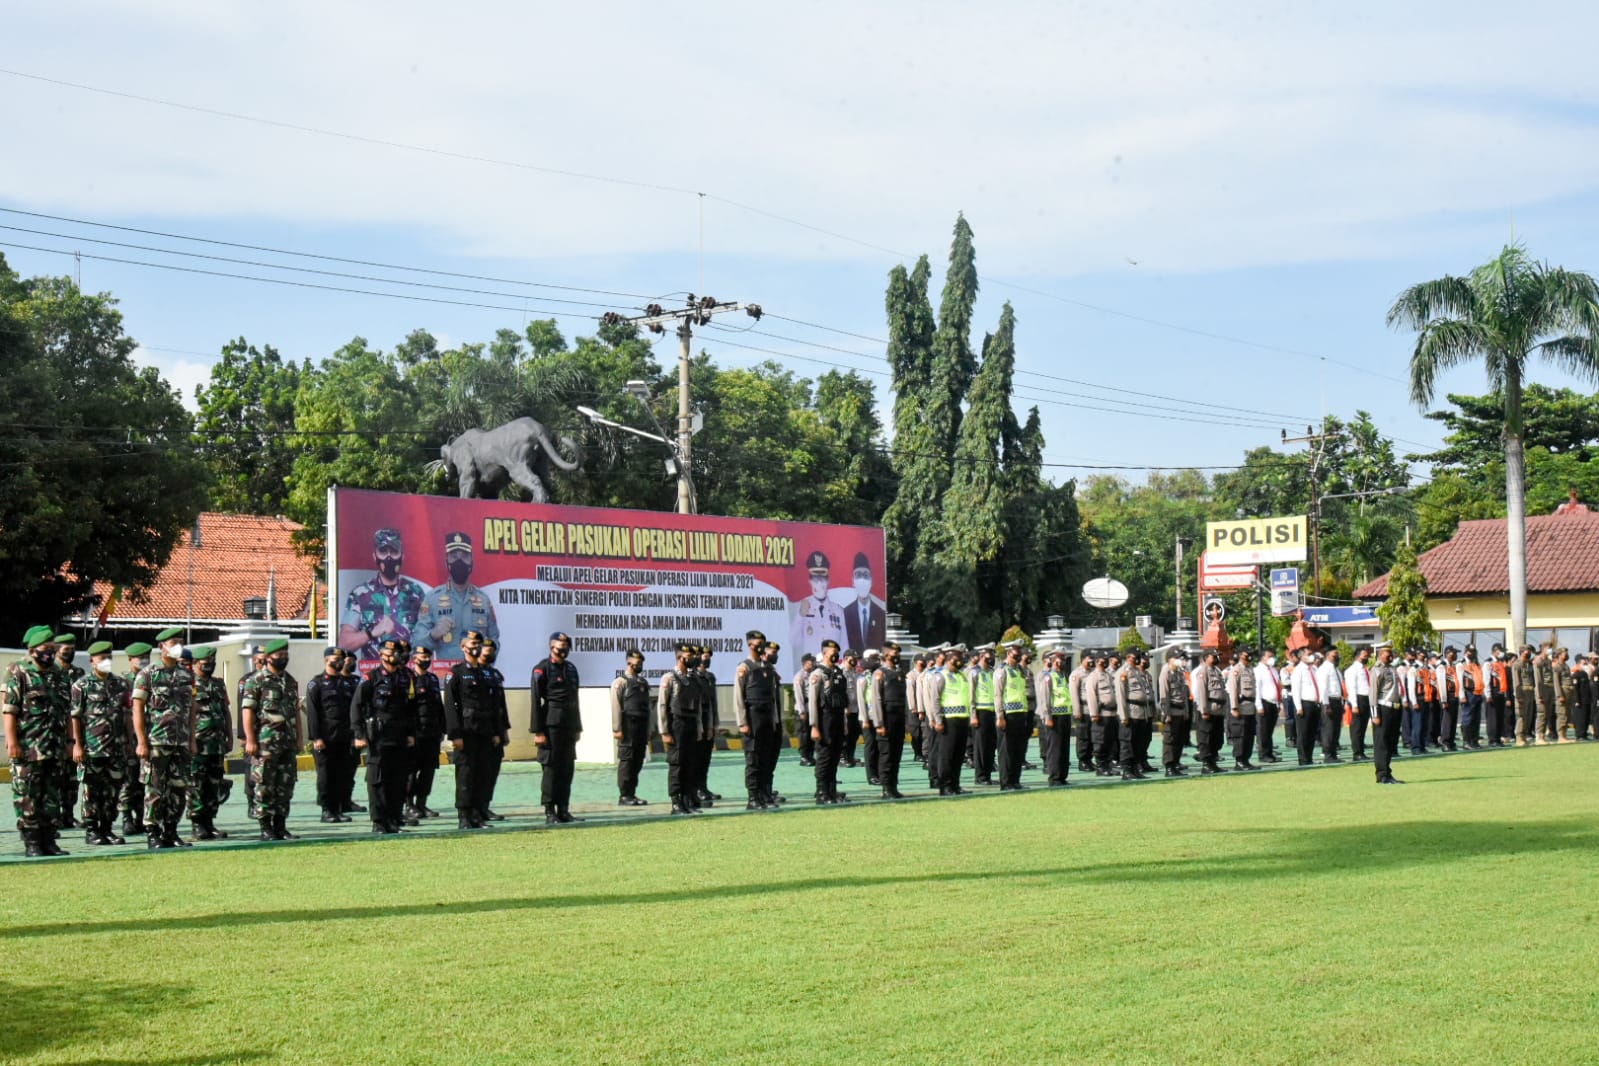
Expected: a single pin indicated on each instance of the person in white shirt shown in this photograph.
(1357, 684)
(1269, 688)
(1331, 682)
(1307, 705)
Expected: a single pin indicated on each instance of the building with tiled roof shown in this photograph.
(240, 566)
(1468, 581)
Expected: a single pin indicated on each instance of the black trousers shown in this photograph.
(890, 749)
(1176, 739)
(1332, 727)
(933, 748)
(952, 752)
(1241, 731)
(1308, 724)
(631, 751)
(702, 762)
(1448, 712)
(760, 750)
(832, 726)
(869, 753)
(388, 768)
(559, 764)
(1045, 739)
(1013, 747)
(1084, 727)
(1057, 752)
(1107, 741)
(984, 743)
(1385, 738)
(492, 771)
(424, 765)
(1265, 726)
(807, 746)
(1211, 727)
(680, 757)
(1494, 717)
(1358, 721)
(1143, 734)
(1290, 726)
(335, 774)
(473, 786)
(852, 738)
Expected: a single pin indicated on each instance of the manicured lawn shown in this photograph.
(1283, 917)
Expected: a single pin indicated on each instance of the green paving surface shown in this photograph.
(594, 798)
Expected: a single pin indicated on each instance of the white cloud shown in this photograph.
(1195, 139)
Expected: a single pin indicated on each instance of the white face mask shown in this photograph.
(175, 650)
(863, 587)
(102, 666)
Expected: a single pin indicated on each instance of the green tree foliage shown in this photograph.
(1404, 618)
(98, 480)
(1132, 530)
(917, 461)
(244, 426)
(1131, 640)
(861, 486)
(1502, 314)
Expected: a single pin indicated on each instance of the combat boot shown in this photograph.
(133, 826)
(93, 836)
(550, 817)
(211, 827)
(280, 826)
(47, 840)
(175, 838)
(268, 828)
(109, 833)
(201, 832)
(33, 850)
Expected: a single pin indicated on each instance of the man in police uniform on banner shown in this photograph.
(455, 607)
(817, 618)
(556, 727)
(385, 606)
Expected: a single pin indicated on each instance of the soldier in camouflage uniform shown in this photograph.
(163, 722)
(213, 738)
(130, 800)
(388, 605)
(272, 738)
(100, 729)
(67, 675)
(36, 742)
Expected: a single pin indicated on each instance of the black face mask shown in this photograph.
(279, 662)
(67, 656)
(460, 571)
(389, 566)
(207, 668)
(490, 654)
(42, 656)
(388, 660)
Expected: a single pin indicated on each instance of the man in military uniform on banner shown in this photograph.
(387, 605)
(455, 607)
(818, 618)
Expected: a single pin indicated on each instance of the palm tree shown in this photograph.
(1503, 313)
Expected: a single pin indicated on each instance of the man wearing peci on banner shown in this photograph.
(865, 621)
(385, 606)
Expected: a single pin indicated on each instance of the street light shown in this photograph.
(640, 391)
(1392, 490)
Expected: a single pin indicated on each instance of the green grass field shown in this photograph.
(1281, 917)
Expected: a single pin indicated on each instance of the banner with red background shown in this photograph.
(612, 579)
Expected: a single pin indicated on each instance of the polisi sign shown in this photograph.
(1257, 540)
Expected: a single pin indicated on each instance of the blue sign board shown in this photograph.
(1341, 616)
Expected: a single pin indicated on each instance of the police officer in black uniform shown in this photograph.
(475, 720)
(556, 727)
(630, 726)
(710, 718)
(679, 722)
(756, 687)
(828, 693)
(429, 732)
(889, 706)
(383, 720)
(491, 652)
(327, 726)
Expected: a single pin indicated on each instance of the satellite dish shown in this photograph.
(1104, 592)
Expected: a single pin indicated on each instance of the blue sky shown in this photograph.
(1268, 174)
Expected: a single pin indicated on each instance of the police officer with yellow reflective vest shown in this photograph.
(758, 716)
(556, 727)
(1171, 693)
(828, 692)
(1011, 717)
(678, 711)
(630, 727)
(1055, 714)
(889, 706)
(950, 705)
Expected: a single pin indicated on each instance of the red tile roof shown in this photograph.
(1562, 556)
(236, 555)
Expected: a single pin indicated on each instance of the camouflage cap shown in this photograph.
(36, 636)
(137, 649)
(387, 537)
(170, 633)
(100, 647)
(272, 646)
(204, 654)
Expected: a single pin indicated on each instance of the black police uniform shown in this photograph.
(555, 715)
(634, 747)
(384, 715)
(680, 718)
(889, 685)
(474, 714)
(759, 687)
(830, 709)
(429, 732)
(327, 718)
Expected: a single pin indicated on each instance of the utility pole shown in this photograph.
(1318, 448)
(697, 312)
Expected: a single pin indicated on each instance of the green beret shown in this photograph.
(66, 638)
(204, 653)
(36, 636)
(274, 646)
(167, 634)
(137, 649)
(100, 647)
